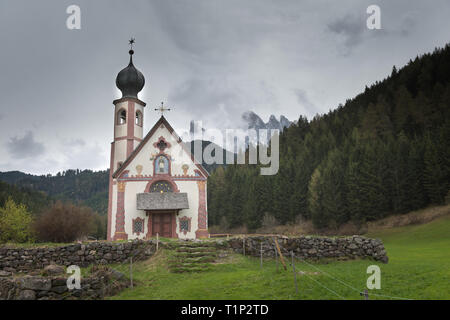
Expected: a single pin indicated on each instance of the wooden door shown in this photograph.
(162, 224)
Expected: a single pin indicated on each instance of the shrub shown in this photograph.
(64, 222)
(15, 223)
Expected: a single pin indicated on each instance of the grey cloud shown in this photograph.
(77, 153)
(75, 143)
(210, 60)
(24, 147)
(407, 25)
(206, 95)
(305, 102)
(350, 27)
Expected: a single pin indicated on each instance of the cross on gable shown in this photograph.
(161, 109)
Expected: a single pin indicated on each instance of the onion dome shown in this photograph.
(130, 80)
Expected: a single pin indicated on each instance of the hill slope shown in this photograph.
(81, 187)
(386, 151)
(35, 201)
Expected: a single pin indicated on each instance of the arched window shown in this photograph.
(122, 117)
(138, 120)
(161, 165)
(161, 187)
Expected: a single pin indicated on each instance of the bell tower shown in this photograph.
(128, 120)
(128, 112)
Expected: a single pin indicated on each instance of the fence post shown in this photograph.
(261, 254)
(276, 257)
(281, 255)
(131, 272)
(295, 274)
(157, 241)
(243, 245)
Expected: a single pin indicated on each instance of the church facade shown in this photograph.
(156, 187)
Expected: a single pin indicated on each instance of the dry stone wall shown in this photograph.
(92, 253)
(308, 247)
(104, 282)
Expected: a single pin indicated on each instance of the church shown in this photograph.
(156, 187)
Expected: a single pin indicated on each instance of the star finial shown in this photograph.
(161, 109)
(131, 42)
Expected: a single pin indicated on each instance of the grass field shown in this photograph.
(418, 268)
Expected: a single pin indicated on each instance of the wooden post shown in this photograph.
(261, 254)
(157, 241)
(276, 257)
(295, 274)
(131, 272)
(281, 255)
(243, 246)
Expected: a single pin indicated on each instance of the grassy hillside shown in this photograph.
(419, 268)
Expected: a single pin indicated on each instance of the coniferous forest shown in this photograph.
(82, 187)
(386, 151)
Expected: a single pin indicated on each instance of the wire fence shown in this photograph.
(339, 282)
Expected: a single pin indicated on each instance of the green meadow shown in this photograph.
(418, 268)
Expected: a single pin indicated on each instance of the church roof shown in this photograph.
(130, 80)
(162, 201)
(161, 120)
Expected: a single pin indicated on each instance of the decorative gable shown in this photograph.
(161, 152)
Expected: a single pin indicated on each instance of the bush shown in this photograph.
(64, 222)
(15, 223)
(100, 223)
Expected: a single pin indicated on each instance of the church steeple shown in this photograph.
(129, 113)
(130, 80)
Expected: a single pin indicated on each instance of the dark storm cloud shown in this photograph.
(408, 25)
(350, 27)
(25, 147)
(207, 96)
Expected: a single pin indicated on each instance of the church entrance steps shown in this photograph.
(196, 249)
(196, 254)
(192, 256)
(200, 259)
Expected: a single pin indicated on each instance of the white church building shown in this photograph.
(155, 184)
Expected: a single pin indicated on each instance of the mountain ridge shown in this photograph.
(254, 121)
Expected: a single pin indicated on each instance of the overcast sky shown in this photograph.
(209, 60)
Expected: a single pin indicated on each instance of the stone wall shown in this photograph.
(97, 253)
(103, 282)
(308, 247)
(92, 253)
